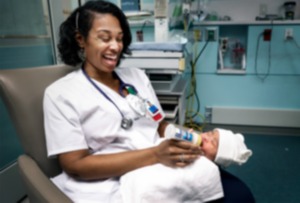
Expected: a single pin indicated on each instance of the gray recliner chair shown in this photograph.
(22, 91)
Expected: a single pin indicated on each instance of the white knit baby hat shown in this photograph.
(232, 148)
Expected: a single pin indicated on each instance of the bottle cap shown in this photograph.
(170, 131)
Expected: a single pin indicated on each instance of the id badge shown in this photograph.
(137, 104)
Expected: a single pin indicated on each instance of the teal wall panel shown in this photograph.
(207, 62)
(25, 56)
(247, 91)
(284, 55)
(22, 18)
(17, 57)
(279, 90)
(9, 143)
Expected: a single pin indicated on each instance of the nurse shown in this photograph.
(102, 121)
(95, 130)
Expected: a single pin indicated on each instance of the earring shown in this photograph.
(81, 54)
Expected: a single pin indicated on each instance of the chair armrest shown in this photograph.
(38, 186)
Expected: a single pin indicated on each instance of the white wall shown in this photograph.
(245, 10)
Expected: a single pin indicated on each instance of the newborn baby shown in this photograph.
(224, 147)
(198, 182)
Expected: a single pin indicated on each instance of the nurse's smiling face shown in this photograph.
(103, 45)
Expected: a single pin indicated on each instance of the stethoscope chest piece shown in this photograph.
(126, 123)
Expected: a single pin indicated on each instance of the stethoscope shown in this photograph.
(126, 123)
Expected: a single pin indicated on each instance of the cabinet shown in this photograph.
(174, 102)
(232, 48)
(164, 69)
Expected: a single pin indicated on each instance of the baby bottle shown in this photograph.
(173, 132)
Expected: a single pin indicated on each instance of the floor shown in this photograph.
(272, 173)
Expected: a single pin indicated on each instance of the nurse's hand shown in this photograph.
(176, 153)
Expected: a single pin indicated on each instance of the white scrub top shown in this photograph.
(77, 116)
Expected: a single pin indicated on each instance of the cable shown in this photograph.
(263, 77)
(200, 53)
(194, 125)
(194, 82)
(260, 76)
(193, 65)
(144, 24)
(194, 95)
(296, 43)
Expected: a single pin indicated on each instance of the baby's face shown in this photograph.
(210, 143)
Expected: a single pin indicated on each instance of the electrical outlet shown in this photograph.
(186, 8)
(224, 44)
(267, 34)
(288, 33)
(211, 34)
(197, 35)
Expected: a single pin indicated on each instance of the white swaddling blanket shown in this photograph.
(196, 183)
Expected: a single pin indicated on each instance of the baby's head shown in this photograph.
(210, 143)
(224, 147)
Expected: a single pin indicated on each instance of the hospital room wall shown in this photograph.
(25, 42)
(279, 90)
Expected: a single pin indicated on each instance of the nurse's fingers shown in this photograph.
(182, 160)
(185, 145)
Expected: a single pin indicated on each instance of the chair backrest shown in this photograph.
(22, 91)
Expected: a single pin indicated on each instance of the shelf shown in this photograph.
(141, 21)
(262, 22)
(231, 71)
(170, 110)
(150, 22)
(178, 89)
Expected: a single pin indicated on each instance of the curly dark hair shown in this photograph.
(68, 46)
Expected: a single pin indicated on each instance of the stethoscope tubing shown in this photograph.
(102, 92)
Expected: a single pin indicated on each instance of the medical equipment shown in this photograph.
(232, 55)
(139, 105)
(171, 14)
(161, 22)
(289, 10)
(238, 55)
